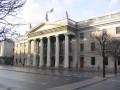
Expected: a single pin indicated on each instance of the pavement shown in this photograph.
(92, 83)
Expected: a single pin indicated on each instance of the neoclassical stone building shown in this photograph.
(65, 43)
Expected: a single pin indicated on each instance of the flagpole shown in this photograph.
(46, 18)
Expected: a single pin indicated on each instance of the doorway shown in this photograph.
(81, 62)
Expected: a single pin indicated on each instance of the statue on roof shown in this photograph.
(30, 26)
(66, 14)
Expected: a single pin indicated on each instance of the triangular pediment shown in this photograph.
(46, 26)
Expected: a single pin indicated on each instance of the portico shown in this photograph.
(51, 49)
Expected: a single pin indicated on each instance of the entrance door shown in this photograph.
(81, 62)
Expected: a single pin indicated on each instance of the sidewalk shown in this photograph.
(93, 76)
(73, 86)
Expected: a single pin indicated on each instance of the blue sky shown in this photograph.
(34, 10)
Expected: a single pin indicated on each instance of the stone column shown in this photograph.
(57, 52)
(29, 52)
(35, 53)
(41, 53)
(66, 54)
(48, 52)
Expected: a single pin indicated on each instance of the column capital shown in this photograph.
(29, 40)
(66, 34)
(41, 38)
(34, 39)
(57, 35)
(48, 37)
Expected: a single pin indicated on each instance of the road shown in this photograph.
(12, 80)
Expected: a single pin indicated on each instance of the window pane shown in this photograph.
(117, 30)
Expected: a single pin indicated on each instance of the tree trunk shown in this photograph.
(103, 64)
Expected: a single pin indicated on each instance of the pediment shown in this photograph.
(45, 26)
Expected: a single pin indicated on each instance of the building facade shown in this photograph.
(6, 52)
(65, 43)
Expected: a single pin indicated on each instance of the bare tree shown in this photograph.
(101, 41)
(113, 50)
(8, 14)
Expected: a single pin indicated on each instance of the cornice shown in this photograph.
(99, 24)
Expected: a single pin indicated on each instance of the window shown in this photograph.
(104, 31)
(81, 35)
(24, 51)
(117, 30)
(106, 60)
(16, 45)
(119, 60)
(92, 33)
(20, 44)
(16, 52)
(82, 47)
(16, 61)
(20, 60)
(20, 52)
(24, 44)
(93, 46)
(92, 60)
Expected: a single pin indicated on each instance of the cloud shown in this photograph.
(113, 3)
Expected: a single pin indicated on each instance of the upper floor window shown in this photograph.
(82, 47)
(20, 52)
(104, 31)
(24, 51)
(81, 35)
(117, 30)
(16, 45)
(20, 44)
(119, 60)
(16, 52)
(24, 44)
(93, 46)
(92, 33)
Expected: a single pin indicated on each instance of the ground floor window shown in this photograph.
(106, 60)
(81, 62)
(16, 61)
(118, 60)
(92, 60)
